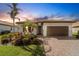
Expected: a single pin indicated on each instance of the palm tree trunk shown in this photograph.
(13, 25)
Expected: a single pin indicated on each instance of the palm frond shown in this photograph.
(14, 4)
(29, 24)
(9, 6)
(17, 18)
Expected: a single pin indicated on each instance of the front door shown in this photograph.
(39, 32)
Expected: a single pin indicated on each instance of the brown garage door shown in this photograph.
(57, 31)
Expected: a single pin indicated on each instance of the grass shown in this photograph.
(29, 50)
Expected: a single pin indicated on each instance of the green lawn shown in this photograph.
(30, 50)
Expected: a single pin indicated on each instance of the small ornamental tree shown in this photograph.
(29, 26)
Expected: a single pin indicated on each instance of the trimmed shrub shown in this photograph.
(37, 42)
(5, 39)
(17, 42)
(16, 39)
(76, 34)
(29, 38)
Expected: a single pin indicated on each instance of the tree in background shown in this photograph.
(13, 13)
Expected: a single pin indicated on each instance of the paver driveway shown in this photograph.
(61, 46)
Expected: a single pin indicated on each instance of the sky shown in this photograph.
(31, 10)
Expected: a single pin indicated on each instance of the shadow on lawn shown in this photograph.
(38, 51)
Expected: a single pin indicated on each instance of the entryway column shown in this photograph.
(44, 30)
(70, 31)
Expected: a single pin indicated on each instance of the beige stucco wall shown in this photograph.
(50, 24)
(75, 29)
(57, 24)
(16, 29)
(20, 28)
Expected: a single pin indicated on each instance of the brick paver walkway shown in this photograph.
(63, 47)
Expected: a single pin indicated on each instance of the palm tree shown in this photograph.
(13, 13)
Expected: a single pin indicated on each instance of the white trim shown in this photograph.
(44, 31)
(70, 31)
(57, 24)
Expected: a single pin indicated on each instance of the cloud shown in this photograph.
(23, 16)
(5, 17)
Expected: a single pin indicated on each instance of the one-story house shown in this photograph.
(75, 27)
(53, 27)
(4, 25)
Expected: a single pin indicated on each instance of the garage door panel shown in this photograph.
(57, 31)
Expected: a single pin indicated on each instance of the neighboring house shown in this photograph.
(6, 26)
(75, 27)
(53, 27)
